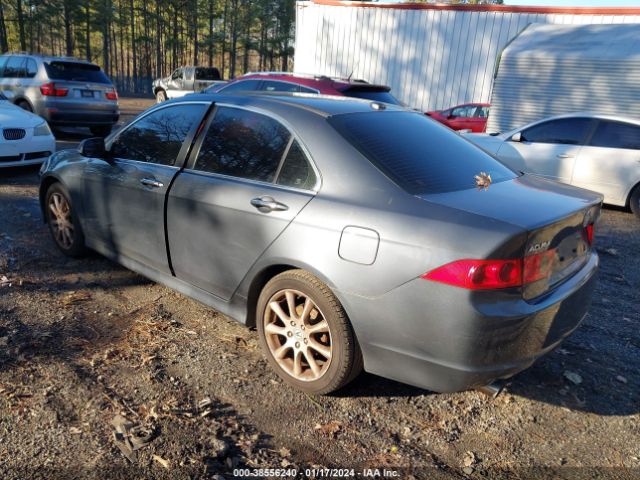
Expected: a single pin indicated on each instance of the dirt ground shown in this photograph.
(82, 341)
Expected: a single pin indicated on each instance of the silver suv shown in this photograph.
(64, 91)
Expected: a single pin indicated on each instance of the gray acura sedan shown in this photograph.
(350, 233)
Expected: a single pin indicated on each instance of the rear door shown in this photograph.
(548, 149)
(125, 195)
(246, 181)
(610, 162)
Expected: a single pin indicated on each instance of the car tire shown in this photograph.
(101, 130)
(63, 222)
(316, 349)
(161, 96)
(634, 201)
(23, 104)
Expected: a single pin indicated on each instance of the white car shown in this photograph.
(26, 138)
(597, 152)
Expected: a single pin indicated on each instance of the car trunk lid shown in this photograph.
(557, 218)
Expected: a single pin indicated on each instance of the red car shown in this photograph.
(319, 84)
(470, 116)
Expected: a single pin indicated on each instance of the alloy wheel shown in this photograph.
(61, 222)
(298, 335)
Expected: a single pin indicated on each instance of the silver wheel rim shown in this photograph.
(298, 335)
(60, 219)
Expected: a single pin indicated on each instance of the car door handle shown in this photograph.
(565, 155)
(150, 182)
(268, 204)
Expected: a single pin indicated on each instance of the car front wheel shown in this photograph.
(63, 224)
(161, 96)
(306, 335)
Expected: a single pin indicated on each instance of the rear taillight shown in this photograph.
(590, 232)
(494, 274)
(50, 90)
(479, 274)
(111, 94)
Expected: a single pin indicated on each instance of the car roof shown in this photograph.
(323, 105)
(310, 79)
(48, 58)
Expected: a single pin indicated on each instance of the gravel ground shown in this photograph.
(82, 341)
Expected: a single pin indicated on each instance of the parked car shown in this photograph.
(470, 116)
(185, 80)
(66, 92)
(598, 152)
(349, 232)
(26, 138)
(317, 84)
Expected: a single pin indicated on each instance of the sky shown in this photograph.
(577, 3)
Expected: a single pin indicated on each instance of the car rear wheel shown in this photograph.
(101, 130)
(23, 104)
(634, 201)
(306, 335)
(63, 224)
(161, 96)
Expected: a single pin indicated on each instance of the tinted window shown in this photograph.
(464, 112)
(271, 86)
(569, 131)
(243, 86)
(243, 144)
(296, 170)
(32, 68)
(158, 137)
(418, 154)
(207, 73)
(308, 89)
(616, 135)
(74, 71)
(369, 94)
(15, 68)
(483, 112)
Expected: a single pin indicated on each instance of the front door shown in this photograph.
(548, 149)
(249, 180)
(125, 194)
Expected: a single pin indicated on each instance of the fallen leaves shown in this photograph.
(573, 377)
(73, 298)
(330, 429)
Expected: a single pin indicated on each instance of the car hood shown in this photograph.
(489, 143)
(527, 201)
(12, 116)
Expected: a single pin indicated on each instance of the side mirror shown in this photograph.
(93, 147)
(516, 137)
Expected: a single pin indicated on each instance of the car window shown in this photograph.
(296, 170)
(243, 144)
(460, 112)
(76, 72)
(273, 86)
(304, 89)
(616, 135)
(176, 74)
(483, 112)
(205, 73)
(3, 62)
(32, 68)
(419, 155)
(15, 68)
(241, 86)
(158, 137)
(568, 131)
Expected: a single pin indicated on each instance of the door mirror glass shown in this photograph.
(92, 147)
(516, 137)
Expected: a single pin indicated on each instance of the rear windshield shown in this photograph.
(203, 73)
(370, 94)
(418, 154)
(72, 71)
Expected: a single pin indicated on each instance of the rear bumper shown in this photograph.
(448, 339)
(81, 118)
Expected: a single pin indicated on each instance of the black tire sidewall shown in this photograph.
(77, 248)
(342, 338)
(634, 201)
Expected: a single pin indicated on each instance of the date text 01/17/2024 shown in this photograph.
(316, 473)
